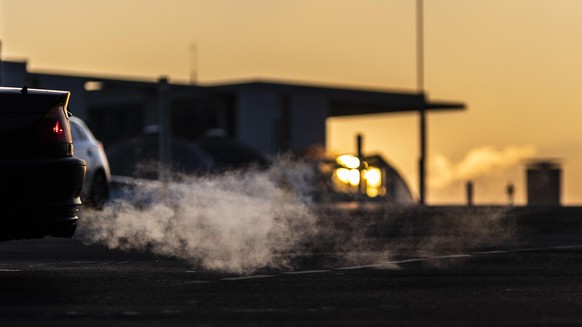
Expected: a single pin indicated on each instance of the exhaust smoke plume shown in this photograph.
(235, 222)
(242, 221)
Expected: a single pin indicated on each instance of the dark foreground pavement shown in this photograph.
(536, 280)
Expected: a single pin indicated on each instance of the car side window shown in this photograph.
(78, 133)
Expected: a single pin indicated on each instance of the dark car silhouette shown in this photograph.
(40, 179)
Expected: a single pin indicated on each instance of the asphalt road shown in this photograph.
(534, 279)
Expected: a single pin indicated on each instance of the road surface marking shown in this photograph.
(530, 249)
(382, 264)
(375, 265)
(305, 272)
(450, 256)
(397, 262)
(406, 261)
(491, 252)
(248, 277)
(566, 247)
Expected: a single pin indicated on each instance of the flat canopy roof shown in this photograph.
(352, 101)
(343, 101)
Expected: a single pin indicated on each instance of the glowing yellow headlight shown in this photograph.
(354, 177)
(343, 175)
(373, 177)
(349, 161)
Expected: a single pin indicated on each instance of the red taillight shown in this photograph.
(58, 129)
(54, 127)
(55, 132)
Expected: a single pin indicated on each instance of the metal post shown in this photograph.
(360, 152)
(469, 189)
(193, 61)
(510, 189)
(420, 45)
(1, 66)
(420, 81)
(359, 146)
(422, 160)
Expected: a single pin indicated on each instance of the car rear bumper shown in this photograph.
(40, 197)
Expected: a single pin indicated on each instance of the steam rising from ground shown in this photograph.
(246, 220)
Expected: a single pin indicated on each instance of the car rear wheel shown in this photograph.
(99, 191)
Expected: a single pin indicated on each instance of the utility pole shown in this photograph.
(1, 66)
(422, 110)
(193, 63)
(360, 152)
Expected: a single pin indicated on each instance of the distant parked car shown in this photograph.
(138, 157)
(40, 180)
(98, 176)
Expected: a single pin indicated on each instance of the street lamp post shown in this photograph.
(422, 110)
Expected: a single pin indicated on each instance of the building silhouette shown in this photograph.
(268, 116)
(544, 183)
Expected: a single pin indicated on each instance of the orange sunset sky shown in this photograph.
(517, 64)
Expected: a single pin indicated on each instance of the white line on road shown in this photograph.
(566, 247)
(406, 261)
(397, 262)
(530, 249)
(248, 277)
(375, 265)
(450, 256)
(381, 264)
(305, 272)
(491, 252)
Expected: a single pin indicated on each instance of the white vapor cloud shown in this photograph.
(233, 222)
(478, 162)
(243, 221)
